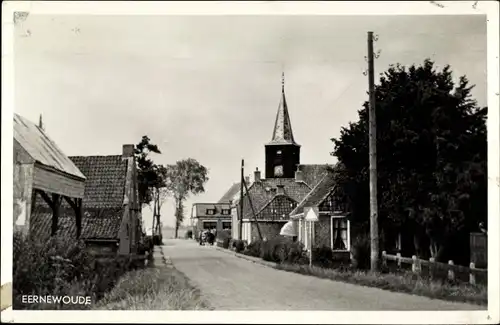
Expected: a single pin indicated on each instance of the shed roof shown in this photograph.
(41, 148)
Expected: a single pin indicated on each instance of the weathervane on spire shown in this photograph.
(40, 123)
(283, 81)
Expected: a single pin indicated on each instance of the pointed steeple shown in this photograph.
(282, 132)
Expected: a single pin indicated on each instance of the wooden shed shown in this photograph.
(41, 168)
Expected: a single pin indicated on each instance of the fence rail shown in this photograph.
(450, 267)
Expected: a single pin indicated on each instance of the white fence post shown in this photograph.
(431, 267)
(472, 275)
(451, 273)
(414, 266)
(399, 259)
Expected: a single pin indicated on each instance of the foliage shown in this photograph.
(254, 248)
(239, 245)
(147, 170)
(407, 283)
(361, 251)
(183, 178)
(189, 234)
(322, 256)
(153, 289)
(277, 250)
(59, 267)
(431, 152)
(225, 237)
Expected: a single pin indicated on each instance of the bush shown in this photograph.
(254, 248)
(281, 249)
(225, 243)
(189, 234)
(61, 267)
(323, 256)
(224, 237)
(239, 245)
(361, 252)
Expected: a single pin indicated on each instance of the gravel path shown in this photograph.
(231, 283)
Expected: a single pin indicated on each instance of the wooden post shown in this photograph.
(399, 260)
(56, 204)
(472, 275)
(414, 266)
(451, 273)
(253, 211)
(310, 243)
(79, 215)
(242, 183)
(432, 266)
(384, 259)
(373, 160)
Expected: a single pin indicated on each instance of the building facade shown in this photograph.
(211, 216)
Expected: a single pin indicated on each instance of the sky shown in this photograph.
(208, 87)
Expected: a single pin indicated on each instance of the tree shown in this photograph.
(431, 144)
(184, 178)
(148, 176)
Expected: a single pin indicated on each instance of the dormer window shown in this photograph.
(226, 212)
(210, 212)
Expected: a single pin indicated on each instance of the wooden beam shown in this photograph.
(33, 202)
(79, 214)
(77, 206)
(56, 204)
(47, 199)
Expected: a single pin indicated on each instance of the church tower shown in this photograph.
(282, 153)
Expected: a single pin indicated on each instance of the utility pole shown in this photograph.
(240, 225)
(373, 160)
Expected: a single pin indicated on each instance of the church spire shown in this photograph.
(282, 132)
(283, 82)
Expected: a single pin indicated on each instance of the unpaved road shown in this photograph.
(231, 283)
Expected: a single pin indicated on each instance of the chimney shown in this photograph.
(280, 189)
(128, 150)
(247, 180)
(256, 175)
(299, 175)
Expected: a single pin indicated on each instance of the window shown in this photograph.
(210, 225)
(226, 211)
(340, 234)
(210, 212)
(226, 225)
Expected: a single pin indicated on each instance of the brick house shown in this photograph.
(208, 216)
(111, 220)
(270, 200)
(333, 227)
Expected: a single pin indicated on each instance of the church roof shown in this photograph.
(282, 132)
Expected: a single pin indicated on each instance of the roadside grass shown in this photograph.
(405, 283)
(156, 288)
